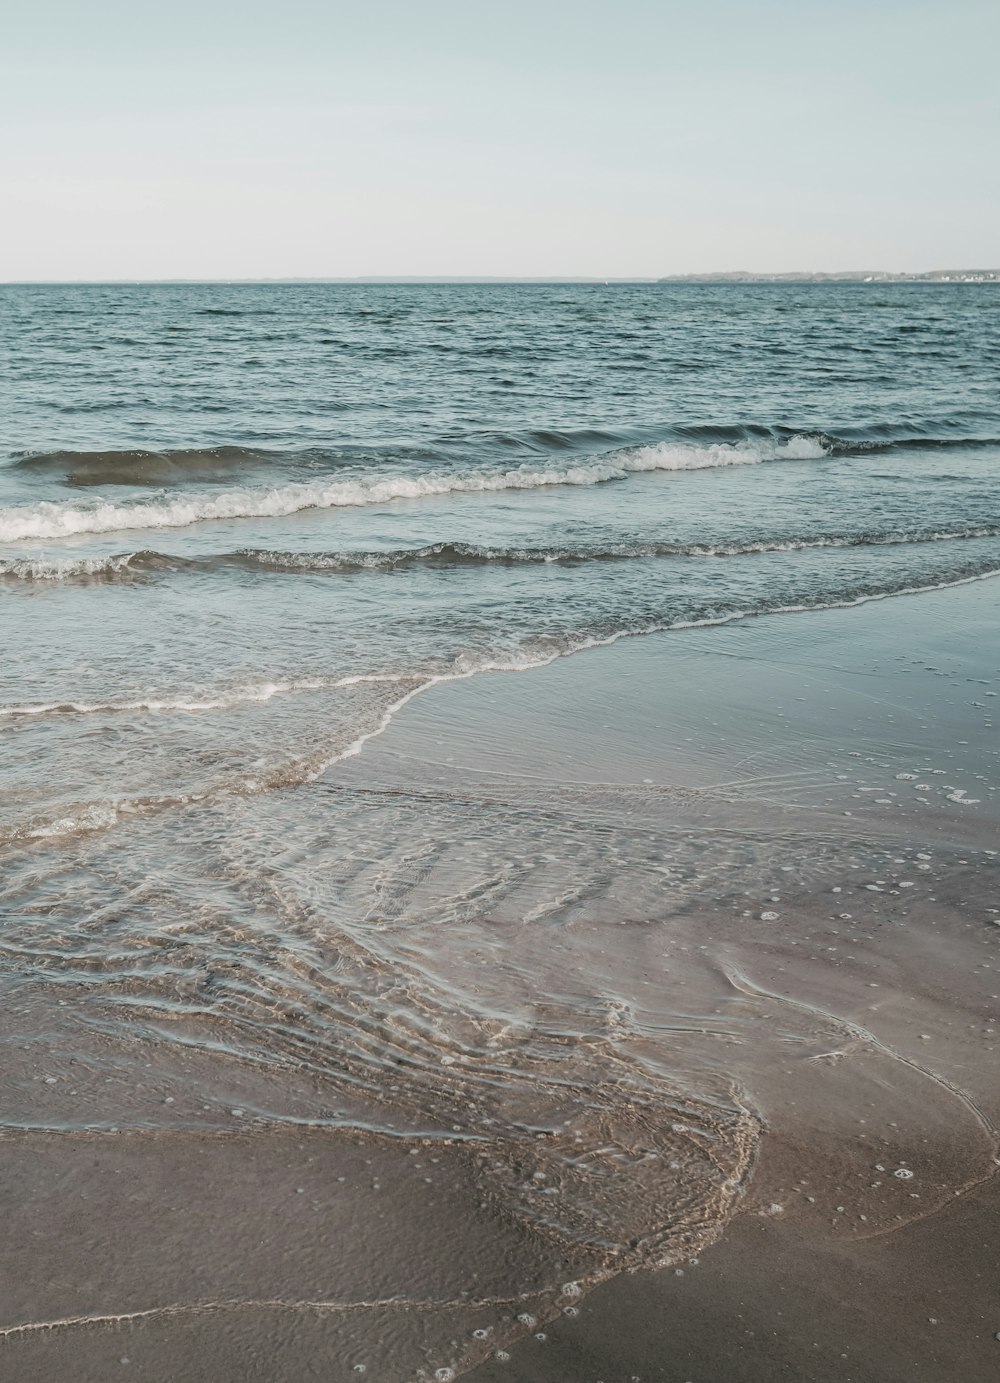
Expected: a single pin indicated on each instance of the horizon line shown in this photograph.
(712, 276)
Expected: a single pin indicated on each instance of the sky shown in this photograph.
(316, 138)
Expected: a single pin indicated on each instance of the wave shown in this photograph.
(836, 439)
(888, 438)
(449, 555)
(224, 698)
(140, 467)
(533, 652)
(56, 519)
(90, 816)
(966, 430)
(685, 447)
(121, 565)
(146, 562)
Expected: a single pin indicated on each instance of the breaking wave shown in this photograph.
(55, 519)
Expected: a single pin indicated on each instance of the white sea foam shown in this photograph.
(56, 519)
(223, 699)
(64, 569)
(673, 456)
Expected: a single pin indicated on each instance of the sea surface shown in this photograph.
(241, 526)
(239, 523)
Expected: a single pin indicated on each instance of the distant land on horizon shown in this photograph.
(846, 276)
(729, 276)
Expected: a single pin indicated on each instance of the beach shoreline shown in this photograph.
(785, 1291)
(833, 942)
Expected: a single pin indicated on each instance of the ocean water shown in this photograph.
(239, 523)
(241, 526)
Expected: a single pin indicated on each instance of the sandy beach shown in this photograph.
(824, 959)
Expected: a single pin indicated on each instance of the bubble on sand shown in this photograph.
(906, 777)
(903, 1173)
(527, 1319)
(572, 1289)
(769, 917)
(444, 1375)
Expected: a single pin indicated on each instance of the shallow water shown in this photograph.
(241, 527)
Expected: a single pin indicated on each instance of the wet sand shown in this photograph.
(827, 723)
(829, 963)
(773, 1302)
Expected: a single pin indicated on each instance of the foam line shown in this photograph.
(55, 519)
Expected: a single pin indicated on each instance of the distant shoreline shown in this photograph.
(961, 276)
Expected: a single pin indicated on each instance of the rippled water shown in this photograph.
(244, 499)
(241, 526)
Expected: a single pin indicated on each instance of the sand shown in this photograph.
(831, 783)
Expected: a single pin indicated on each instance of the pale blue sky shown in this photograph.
(244, 138)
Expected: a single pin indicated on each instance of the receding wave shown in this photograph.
(146, 563)
(100, 815)
(58, 519)
(195, 701)
(533, 652)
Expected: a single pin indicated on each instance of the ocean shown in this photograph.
(242, 527)
(284, 507)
